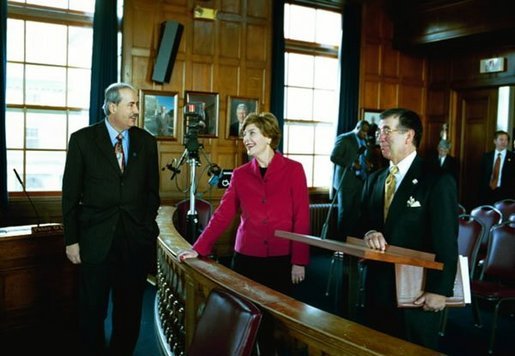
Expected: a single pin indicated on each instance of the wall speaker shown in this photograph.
(171, 32)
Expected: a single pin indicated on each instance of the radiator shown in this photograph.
(318, 214)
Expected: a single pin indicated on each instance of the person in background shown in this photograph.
(410, 206)
(443, 162)
(271, 194)
(497, 174)
(109, 202)
(350, 172)
(241, 113)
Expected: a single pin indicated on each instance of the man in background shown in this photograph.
(497, 171)
(443, 162)
(350, 172)
(409, 206)
(110, 201)
(241, 113)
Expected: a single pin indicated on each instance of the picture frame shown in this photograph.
(210, 102)
(158, 113)
(371, 115)
(238, 108)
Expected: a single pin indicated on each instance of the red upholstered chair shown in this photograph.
(470, 233)
(497, 281)
(228, 326)
(489, 216)
(461, 209)
(506, 207)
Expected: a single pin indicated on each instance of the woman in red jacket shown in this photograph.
(271, 194)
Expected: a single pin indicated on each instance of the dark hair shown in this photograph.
(407, 119)
(267, 123)
(499, 133)
(361, 123)
(112, 95)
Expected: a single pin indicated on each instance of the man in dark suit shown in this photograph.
(109, 211)
(422, 216)
(443, 162)
(350, 173)
(494, 187)
(241, 113)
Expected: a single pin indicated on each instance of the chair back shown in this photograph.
(506, 207)
(500, 258)
(470, 234)
(204, 212)
(489, 216)
(227, 326)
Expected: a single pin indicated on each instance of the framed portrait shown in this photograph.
(237, 109)
(371, 115)
(209, 102)
(158, 113)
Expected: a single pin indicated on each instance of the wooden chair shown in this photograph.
(489, 216)
(470, 234)
(506, 207)
(227, 326)
(497, 281)
(204, 211)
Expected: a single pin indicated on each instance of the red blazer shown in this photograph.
(277, 201)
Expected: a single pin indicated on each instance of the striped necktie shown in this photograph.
(118, 149)
(389, 189)
(494, 180)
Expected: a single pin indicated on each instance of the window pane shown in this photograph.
(324, 171)
(14, 128)
(324, 106)
(77, 120)
(46, 129)
(80, 47)
(301, 23)
(328, 27)
(324, 136)
(45, 85)
(307, 164)
(300, 70)
(15, 36)
(14, 161)
(46, 43)
(79, 84)
(14, 85)
(44, 170)
(302, 138)
(326, 72)
(83, 5)
(299, 104)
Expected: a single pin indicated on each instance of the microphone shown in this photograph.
(38, 228)
(325, 227)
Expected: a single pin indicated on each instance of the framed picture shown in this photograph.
(158, 113)
(372, 116)
(209, 101)
(237, 109)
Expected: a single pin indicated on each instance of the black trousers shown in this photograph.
(123, 276)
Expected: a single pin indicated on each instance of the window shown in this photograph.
(49, 47)
(311, 90)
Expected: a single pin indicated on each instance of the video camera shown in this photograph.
(194, 121)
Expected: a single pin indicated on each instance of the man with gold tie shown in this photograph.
(497, 171)
(409, 205)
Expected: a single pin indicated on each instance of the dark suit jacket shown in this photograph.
(507, 188)
(343, 155)
(430, 227)
(234, 129)
(450, 165)
(96, 194)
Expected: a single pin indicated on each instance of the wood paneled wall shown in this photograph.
(229, 56)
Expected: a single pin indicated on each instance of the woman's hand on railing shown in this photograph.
(185, 254)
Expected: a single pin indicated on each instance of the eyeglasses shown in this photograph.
(388, 131)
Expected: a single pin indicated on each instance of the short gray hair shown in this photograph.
(112, 95)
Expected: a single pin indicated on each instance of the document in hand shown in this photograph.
(410, 281)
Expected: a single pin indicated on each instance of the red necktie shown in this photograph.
(495, 172)
(118, 149)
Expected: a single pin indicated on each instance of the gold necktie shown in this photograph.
(495, 172)
(389, 189)
(118, 149)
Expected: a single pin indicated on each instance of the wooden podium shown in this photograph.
(410, 267)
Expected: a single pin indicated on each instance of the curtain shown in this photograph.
(3, 75)
(349, 67)
(104, 66)
(277, 84)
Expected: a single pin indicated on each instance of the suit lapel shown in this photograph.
(105, 147)
(134, 149)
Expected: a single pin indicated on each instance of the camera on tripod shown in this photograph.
(194, 121)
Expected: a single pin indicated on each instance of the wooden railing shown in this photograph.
(298, 328)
